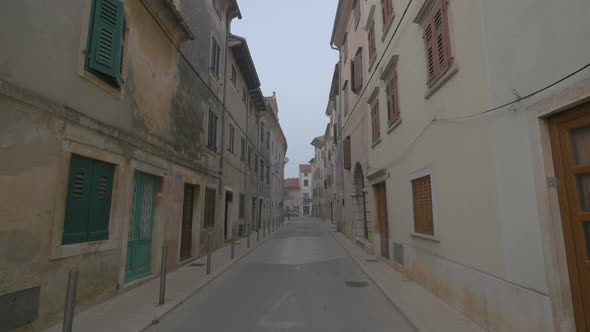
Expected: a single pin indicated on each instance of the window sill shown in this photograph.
(78, 249)
(376, 142)
(425, 237)
(442, 80)
(119, 94)
(394, 125)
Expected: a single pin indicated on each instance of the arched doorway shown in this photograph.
(360, 223)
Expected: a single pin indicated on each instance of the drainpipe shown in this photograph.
(222, 154)
(248, 106)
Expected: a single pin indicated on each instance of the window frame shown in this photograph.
(387, 16)
(372, 39)
(234, 76)
(232, 139)
(426, 171)
(439, 70)
(375, 121)
(392, 97)
(215, 58)
(208, 220)
(212, 130)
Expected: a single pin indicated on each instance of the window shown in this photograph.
(262, 132)
(242, 149)
(232, 136)
(267, 174)
(267, 139)
(305, 174)
(234, 76)
(212, 132)
(209, 219)
(305, 183)
(105, 46)
(345, 96)
(249, 156)
(372, 47)
(437, 43)
(215, 56)
(375, 126)
(244, 95)
(422, 205)
(262, 170)
(241, 206)
(88, 204)
(393, 112)
(256, 163)
(357, 14)
(387, 13)
(346, 152)
(356, 71)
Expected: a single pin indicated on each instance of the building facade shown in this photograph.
(477, 158)
(292, 197)
(318, 178)
(138, 140)
(306, 192)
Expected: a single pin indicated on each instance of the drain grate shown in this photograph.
(356, 284)
(197, 264)
(372, 260)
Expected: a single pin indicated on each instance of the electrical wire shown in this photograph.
(491, 110)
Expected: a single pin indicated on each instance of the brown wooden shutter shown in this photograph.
(441, 34)
(422, 205)
(358, 72)
(431, 68)
(372, 47)
(346, 152)
(392, 98)
(376, 130)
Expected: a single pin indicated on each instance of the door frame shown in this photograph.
(554, 252)
(382, 221)
(564, 192)
(162, 183)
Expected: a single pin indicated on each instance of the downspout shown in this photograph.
(222, 154)
(248, 107)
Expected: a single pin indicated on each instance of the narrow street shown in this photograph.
(301, 279)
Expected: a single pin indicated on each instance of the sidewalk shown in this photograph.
(137, 309)
(423, 309)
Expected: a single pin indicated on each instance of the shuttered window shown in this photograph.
(422, 205)
(346, 152)
(387, 12)
(375, 125)
(212, 131)
(393, 112)
(232, 139)
(241, 206)
(357, 71)
(88, 206)
(437, 42)
(242, 149)
(209, 220)
(106, 41)
(215, 57)
(357, 14)
(372, 47)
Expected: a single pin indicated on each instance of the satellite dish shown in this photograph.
(286, 160)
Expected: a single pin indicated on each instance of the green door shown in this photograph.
(139, 245)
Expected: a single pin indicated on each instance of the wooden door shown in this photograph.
(570, 140)
(139, 244)
(381, 200)
(186, 237)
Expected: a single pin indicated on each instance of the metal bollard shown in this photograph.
(248, 235)
(209, 253)
(70, 301)
(257, 234)
(163, 273)
(233, 244)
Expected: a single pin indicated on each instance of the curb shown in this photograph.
(213, 276)
(403, 312)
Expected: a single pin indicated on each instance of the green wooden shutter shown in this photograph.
(78, 200)
(106, 38)
(100, 202)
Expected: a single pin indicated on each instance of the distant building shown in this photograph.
(292, 196)
(305, 185)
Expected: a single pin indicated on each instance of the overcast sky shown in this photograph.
(290, 43)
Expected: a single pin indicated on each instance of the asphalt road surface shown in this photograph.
(300, 279)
